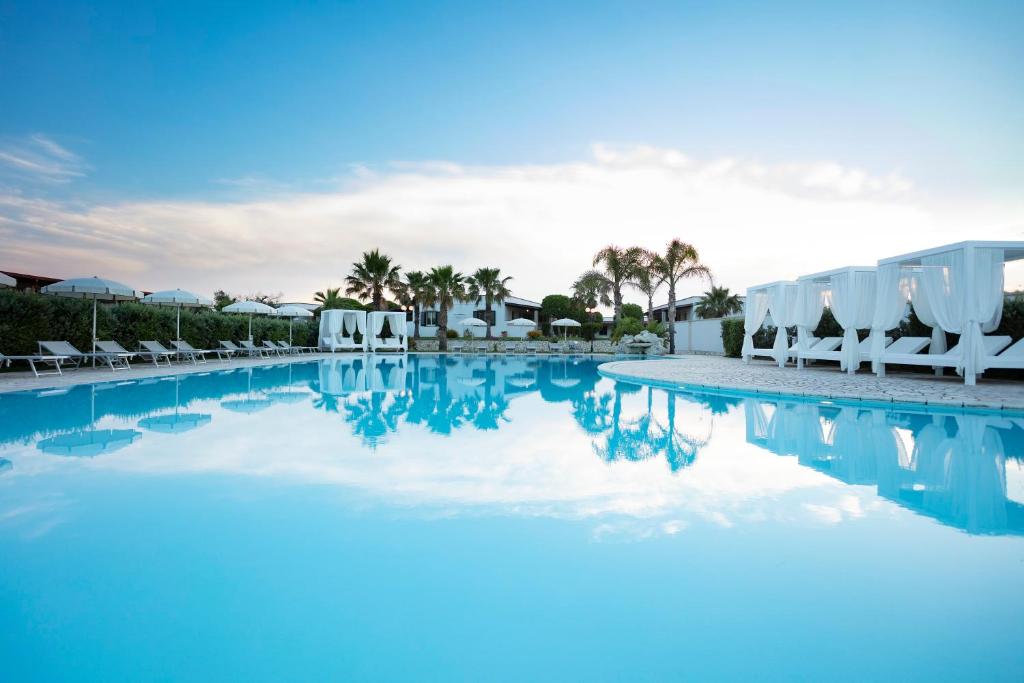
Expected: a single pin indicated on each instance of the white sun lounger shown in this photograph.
(116, 361)
(817, 349)
(271, 347)
(288, 348)
(1011, 358)
(252, 349)
(950, 359)
(154, 352)
(822, 351)
(55, 361)
(198, 356)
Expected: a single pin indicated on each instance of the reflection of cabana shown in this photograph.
(850, 294)
(340, 376)
(956, 288)
(775, 299)
(388, 373)
(338, 329)
(396, 322)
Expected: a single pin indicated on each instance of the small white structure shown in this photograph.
(502, 314)
(956, 288)
(777, 300)
(850, 294)
(338, 328)
(399, 339)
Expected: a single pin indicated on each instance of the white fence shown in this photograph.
(699, 336)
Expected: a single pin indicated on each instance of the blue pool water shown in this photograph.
(441, 518)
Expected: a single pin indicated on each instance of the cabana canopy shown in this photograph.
(850, 294)
(777, 299)
(338, 328)
(396, 321)
(957, 288)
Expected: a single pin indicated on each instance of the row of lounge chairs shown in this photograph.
(55, 356)
(1000, 350)
(514, 347)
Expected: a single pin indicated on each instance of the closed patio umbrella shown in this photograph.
(94, 288)
(177, 298)
(293, 312)
(250, 307)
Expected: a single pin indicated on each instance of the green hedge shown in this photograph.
(26, 318)
(732, 336)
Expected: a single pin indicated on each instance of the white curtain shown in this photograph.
(756, 308)
(923, 311)
(964, 289)
(781, 306)
(378, 323)
(892, 291)
(810, 304)
(853, 305)
(348, 326)
(397, 325)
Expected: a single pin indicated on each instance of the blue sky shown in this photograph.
(198, 101)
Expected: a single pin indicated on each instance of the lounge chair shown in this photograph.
(252, 349)
(574, 347)
(198, 356)
(455, 347)
(508, 347)
(827, 349)
(55, 361)
(555, 347)
(480, 347)
(229, 345)
(153, 354)
(288, 348)
(532, 348)
(993, 345)
(116, 361)
(271, 347)
(1012, 357)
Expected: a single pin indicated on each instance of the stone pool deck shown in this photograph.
(822, 382)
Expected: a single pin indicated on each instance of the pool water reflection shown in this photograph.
(426, 516)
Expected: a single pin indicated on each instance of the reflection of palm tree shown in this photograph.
(326, 402)
(680, 448)
(366, 417)
(593, 412)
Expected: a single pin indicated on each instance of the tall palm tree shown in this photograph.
(329, 298)
(411, 293)
(619, 266)
(592, 288)
(717, 302)
(489, 285)
(645, 280)
(371, 277)
(679, 261)
(445, 287)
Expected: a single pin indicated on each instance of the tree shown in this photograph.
(645, 280)
(269, 299)
(445, 287)
(489, 285)
(632, 311)
(679, 261)
(331, 298)
(222, 299)
(591, 289)
(411, 294)
(620, 265)
(717, 302)
(371, 277)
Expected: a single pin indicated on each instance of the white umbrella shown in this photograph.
(521, 322)
(293, 312)
(250, 307)
(565, 323)
(472, 322)
(7, 280)
(177, 298)
(93, 288)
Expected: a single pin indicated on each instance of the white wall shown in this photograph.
(463, 310)
(700, 336)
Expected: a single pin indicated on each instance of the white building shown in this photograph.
(511, 308)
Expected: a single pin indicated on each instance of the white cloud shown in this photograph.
(540, 223)
(39, 158)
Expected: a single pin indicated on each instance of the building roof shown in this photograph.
(680, 302)
(518, 301)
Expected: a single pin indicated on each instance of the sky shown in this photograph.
(264, 146)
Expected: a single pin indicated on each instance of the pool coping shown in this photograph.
(936, 406)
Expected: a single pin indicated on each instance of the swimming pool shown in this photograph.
(500, 518)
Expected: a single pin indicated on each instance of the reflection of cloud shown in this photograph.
(429, 213)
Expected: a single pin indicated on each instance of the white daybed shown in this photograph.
(396, 322)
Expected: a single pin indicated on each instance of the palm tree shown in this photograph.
(592, 288)
(445, 287)
(717, 302)
(411, 293)
(679, 261)
(619, 266)
(371, 277)
(489, 285)
(329, 298)
(645, 280)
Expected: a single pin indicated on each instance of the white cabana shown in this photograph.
(396, 321)
(850, 294)
(955, 288)
(176, 298)
(338, 329)
(775, 299)
(250, 307)
(7, 280)
(292, 312)
(94, 288)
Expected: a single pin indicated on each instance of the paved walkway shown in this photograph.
(823, 382)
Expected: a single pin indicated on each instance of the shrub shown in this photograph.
(657, 328)
(632, 311)
(452, 334)
(589, 330)
(627, 326)
(732, 337)
(535, 334)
